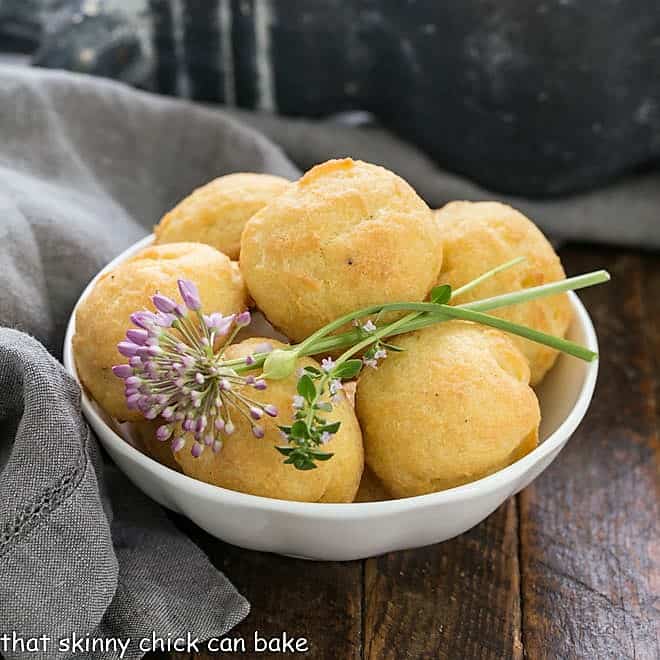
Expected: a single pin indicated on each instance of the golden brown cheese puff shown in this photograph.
(104, 315)
(455, 406)
(145, 435)
(216, 213)
(482, 235)
(371, 489)
(346, 235)
(252, 465)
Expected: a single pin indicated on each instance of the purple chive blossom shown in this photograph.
(249, 360)
(132, 401)
(127, 348)
(243, 319)
(178, 444)
(189, 294)
(219, 323)
(143, 319)
(327, 364)
(164, 320)
(179, 375)
(163, 432)
(122, 370)
(137, 335)
(271, 410)
(163, 303)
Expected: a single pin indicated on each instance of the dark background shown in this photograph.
(538, 98)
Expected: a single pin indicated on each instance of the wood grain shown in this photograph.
(459, 599)
(321, 602)
(589, 525)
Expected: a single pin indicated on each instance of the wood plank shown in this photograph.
(589, 524)
(458, 599)
(651, 324)
(321, 602)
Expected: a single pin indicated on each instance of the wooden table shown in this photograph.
(569, 568)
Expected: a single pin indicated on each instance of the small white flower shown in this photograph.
(298, 402)
(369, 326)
(327, 364)
(325, 437)
(380, 354)
(335, 386)
(371, 362)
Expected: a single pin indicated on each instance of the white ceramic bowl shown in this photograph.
(353, 531)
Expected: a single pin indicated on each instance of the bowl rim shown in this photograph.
(471, 490)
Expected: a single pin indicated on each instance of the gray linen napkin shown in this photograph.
(86, 166)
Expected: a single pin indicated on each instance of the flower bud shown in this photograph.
(189, 294)
(122, 370)
(163, 432)
(127, 348)
(143, 319)
(271, 410)
(178, 444)
(137, 335)
(243, 319)
(163, 303)
(279, 364)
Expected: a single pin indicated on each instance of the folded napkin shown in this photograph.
(86, 167)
